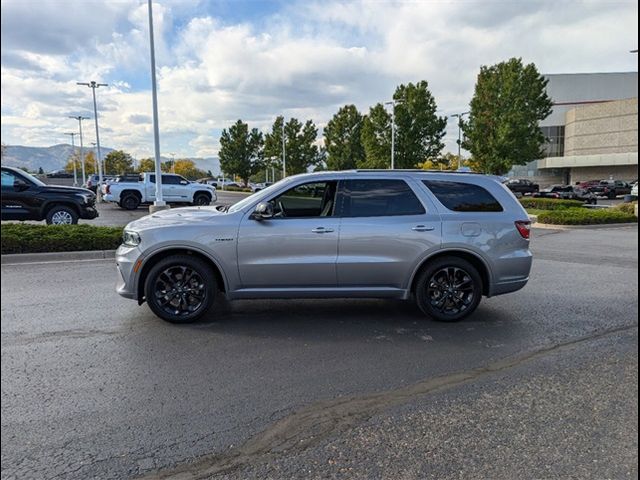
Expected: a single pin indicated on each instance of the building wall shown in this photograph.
(602, 128)
(627, 173)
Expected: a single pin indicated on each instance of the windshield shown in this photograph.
(257, 196)
(33, 179)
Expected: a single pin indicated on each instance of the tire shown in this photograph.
(61, 215)
(432, 288)
(185, 306)
(130, 201)
(201, 199)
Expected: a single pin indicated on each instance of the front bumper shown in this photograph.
(126, 260)
(89, 213)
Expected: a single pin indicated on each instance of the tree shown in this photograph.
(146, 165)
(241, 151)
(419, 131)
(448, 161)
(342, 140)
(188, 169)
(117, 162)
(376, 138)
(301, 151)
(503, 129)
(89, 163)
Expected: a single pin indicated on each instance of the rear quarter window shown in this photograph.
(463, 197)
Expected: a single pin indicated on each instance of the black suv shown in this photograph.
(24, 197)
(522, 186)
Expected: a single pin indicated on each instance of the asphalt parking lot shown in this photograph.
(538, 384)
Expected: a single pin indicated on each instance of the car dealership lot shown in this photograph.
(95, 386)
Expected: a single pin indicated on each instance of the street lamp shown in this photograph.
(393, 104)
(80, 118)
(73, 150)
(459, 117)
(159, 203)
(284, 152)
(93, 85)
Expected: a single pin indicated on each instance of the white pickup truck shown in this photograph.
(175, 189)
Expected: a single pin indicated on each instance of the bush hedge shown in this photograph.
(236, 189)
(627, 207)
(585, 216)
(549, 203)
(28, 238)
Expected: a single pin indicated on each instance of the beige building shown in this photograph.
(600, 142)
(592, 131)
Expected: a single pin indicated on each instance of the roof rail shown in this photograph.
(410, 170)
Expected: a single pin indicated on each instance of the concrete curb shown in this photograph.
(549, 226)
(16, 258)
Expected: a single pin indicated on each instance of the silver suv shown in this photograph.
(445, 239)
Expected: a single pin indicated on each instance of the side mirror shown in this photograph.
(184, 182)
(263, 211)
(20, 185)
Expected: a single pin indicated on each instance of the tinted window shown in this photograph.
(308, 200)
(463, 197)
(379, 198)
(170, 180)
(8, 179)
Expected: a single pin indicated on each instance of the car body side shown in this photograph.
(488, 239)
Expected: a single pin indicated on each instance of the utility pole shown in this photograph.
(93, 85)
(80, 118)
(459, 117)
(284, 152)
(159, 203)
(73, 157)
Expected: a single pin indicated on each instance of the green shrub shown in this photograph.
(27, 238)
(585, 216)
(549, 203)
(236, 189)
(626, 207)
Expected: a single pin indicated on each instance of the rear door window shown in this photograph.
(378, 198)
(463, 197)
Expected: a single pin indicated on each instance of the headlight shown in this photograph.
(131, 239)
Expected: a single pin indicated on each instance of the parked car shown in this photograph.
(611, 188)
(446, 239)
(175, 189)
(94, 179)
(126, 178)
(522, 186)
(59, 174)
(24, 197)
(588, 184)
(634, 190)
(568, 192)
(260, 186)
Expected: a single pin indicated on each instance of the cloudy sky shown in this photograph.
(220, 60)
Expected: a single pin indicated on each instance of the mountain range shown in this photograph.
(55, 157)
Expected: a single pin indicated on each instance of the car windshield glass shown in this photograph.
(257, 196)
(33, 179)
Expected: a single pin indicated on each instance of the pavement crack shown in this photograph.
(316, 422)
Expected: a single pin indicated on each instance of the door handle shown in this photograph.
(322, 230)
(423, 228)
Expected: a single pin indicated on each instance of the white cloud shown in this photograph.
(305, 61)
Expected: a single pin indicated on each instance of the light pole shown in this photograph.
(73, 150)
(80, 118)
(95, 164)
(393, 104)
(93, 85)
(159, 203)
(284, 152)
(459, 117)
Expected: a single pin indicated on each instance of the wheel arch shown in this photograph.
(47, 207)
(129, 191)
(473, 258)
(158, 255)
(203, 192)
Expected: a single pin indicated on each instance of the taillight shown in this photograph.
(524, 227)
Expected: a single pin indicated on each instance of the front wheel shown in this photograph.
(201, 199)
(180, 289)
(449, 289)
(62, 216)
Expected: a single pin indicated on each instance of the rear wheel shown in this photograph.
(449, 289)
(129, 201)
(62, 215)
(180, 289)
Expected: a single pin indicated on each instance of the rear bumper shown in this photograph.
(507, 287)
